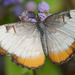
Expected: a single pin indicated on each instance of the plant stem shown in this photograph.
(34, 72)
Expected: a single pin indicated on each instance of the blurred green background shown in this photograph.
(8, 15)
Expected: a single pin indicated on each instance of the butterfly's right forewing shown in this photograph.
(23, 42)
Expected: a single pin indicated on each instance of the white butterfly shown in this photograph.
(28, 42)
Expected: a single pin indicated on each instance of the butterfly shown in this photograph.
(28, 42)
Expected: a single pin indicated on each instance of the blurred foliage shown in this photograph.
(13, 69)
(49, 68)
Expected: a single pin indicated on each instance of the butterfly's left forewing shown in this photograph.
(60, 32)
(22, 41)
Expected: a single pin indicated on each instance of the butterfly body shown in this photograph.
(28, 42)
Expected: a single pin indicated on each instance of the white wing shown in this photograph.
(22, 40)
(60, 32)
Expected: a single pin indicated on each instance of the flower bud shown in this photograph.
(43, 7)
(42, 16)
